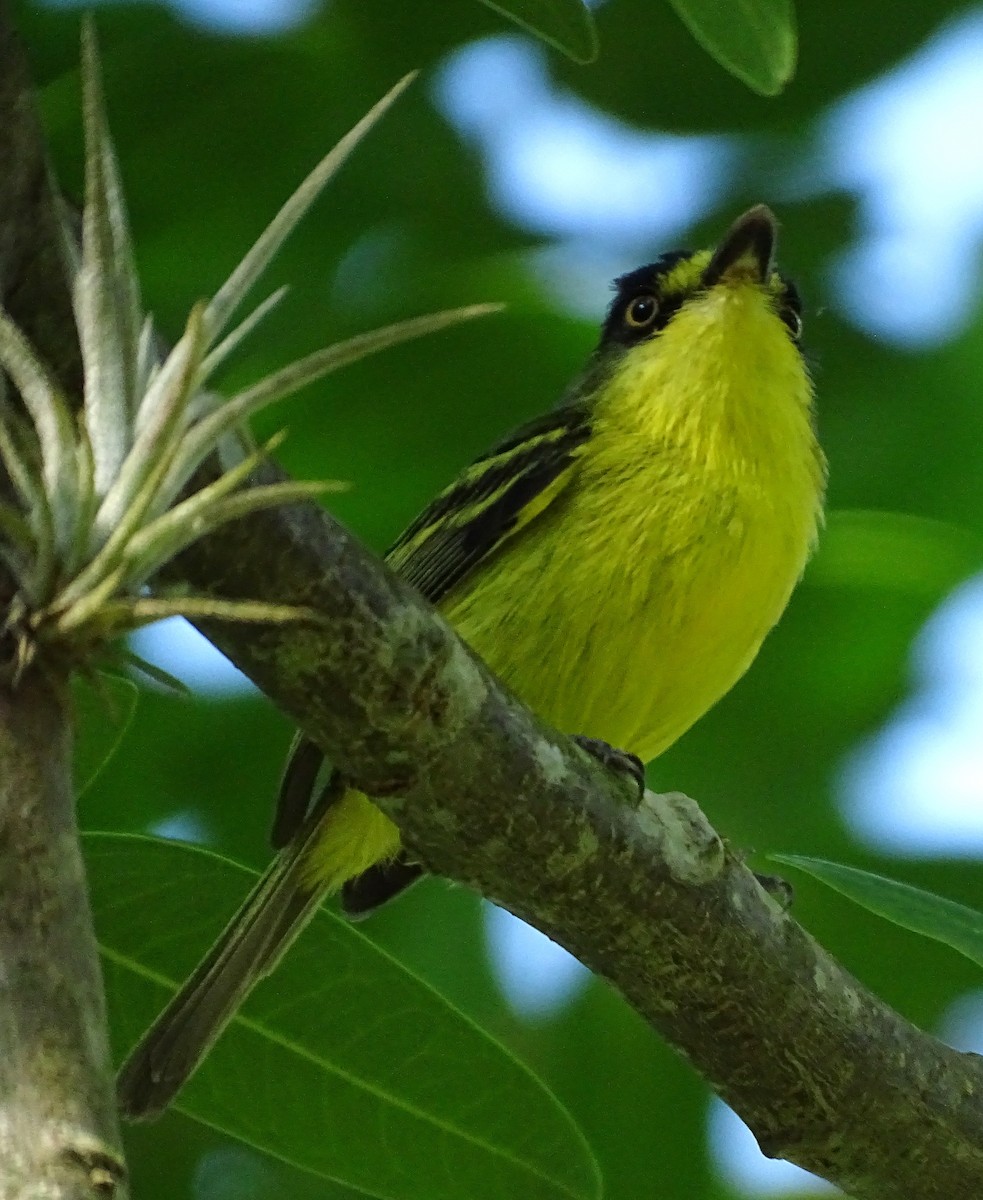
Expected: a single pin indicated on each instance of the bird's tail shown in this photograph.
(275, 911)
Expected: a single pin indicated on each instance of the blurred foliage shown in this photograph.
(213, 133)
(105, 705)
(912, 908)
(322, 1053)
(566, 25)
(755, 40)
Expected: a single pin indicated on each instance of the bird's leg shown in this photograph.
(778, 888)
(614, 759)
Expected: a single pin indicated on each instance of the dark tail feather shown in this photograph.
(297, 790)
(276, 910)
(361, 896)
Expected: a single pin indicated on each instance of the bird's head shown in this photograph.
(715, 285)
(705, 340)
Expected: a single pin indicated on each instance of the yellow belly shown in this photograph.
(634, 641)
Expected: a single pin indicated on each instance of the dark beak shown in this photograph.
(747, 249)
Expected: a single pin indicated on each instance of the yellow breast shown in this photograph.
(644, 592)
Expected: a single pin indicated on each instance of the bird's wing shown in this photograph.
(491, 501)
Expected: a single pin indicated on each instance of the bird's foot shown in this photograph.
(614, 759)
(778, 888)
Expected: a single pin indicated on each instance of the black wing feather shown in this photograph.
(472, 517)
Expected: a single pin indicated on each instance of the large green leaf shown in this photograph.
(344, 1063)
(900, 551)
(565, 24)
(753, 39)
(104, 707)
(912, 908)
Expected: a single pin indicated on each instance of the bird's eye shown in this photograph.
(641, 312)
(793, 319)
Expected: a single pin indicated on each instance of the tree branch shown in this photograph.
(646, 895)
(58, 1129)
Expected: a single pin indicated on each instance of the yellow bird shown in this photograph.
(617, 562)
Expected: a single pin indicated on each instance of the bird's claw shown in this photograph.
(778, 888)
(614, 759)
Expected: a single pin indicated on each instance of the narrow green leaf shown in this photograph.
(567, 25)
(162, 540)
(68, 231)
(201, 439)
(76, 551)
(18, 566)
(138, 484)
(96, 595)
(50, 413)
(899, 552)
(255, 261)
(18, 451)
(214, 359)
(158, 425)
(165, 679)
(163, 535)
(105, 292)
(15, 529)
(922, 912)
(126, 283)
(145, 610)
(755, 40)
(343, 1062)
(18, 548)
(149, 354)
(104, 707)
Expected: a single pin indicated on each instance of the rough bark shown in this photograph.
(58, 1131)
